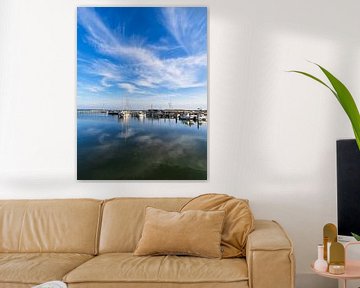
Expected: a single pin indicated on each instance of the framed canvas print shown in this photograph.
(142, 93)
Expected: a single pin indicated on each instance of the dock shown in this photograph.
(181, 114)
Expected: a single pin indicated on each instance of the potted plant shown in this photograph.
(356, 236)
(343, 95)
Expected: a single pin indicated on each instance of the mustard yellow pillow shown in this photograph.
(193, 232)
(238, 223)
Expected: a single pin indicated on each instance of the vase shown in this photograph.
(320, 264)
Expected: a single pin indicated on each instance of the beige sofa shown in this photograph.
(89, 243)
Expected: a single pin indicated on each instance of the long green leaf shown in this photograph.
(347, 102)
(357, 138)
(316, 79)
(344, 97)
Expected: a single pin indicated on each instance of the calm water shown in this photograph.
(150, 149)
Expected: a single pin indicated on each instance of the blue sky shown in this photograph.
(142, 57)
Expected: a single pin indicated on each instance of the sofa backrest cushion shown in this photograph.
(123, 220)
(66, 226)
(239, 220)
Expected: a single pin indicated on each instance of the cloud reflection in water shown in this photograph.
(141, 150)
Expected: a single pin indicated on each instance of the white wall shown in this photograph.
(271, 134)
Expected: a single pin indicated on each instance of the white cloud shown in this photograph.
(105, 82)
(89, 87)
(144, 83)
(164, 47)
(99, 34)
(108, 72)
(127, 86)
(94, 88)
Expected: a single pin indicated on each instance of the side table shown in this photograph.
(352, 268)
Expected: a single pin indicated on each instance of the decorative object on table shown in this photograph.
(320, 264)
(142, 82)
(336, 269)
(51, 284)
(337, 258)
(329, 237)
(334, 251)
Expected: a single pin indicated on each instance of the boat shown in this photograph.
(112, 112)
(184, 116)
(140, 114)
(194, 117)
(124, 114)
(202, 117)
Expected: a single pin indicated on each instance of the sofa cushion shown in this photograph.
(62, 226)
(193, 232)
(126, 268)
(36, 268)
(239, 220)
(123, 220)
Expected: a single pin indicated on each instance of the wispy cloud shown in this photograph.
(98, 33)
(147, 69)
(108, 72)
(188, 27)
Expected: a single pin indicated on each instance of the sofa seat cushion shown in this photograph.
(125, 267)
(36, 268)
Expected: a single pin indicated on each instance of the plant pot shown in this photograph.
(348, 187)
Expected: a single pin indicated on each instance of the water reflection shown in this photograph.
(140, 148)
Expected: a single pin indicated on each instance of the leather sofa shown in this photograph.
(89, 243)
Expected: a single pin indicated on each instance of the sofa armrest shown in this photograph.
(269, 256)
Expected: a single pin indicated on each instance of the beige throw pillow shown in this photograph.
(239, 220)
(194, 232)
